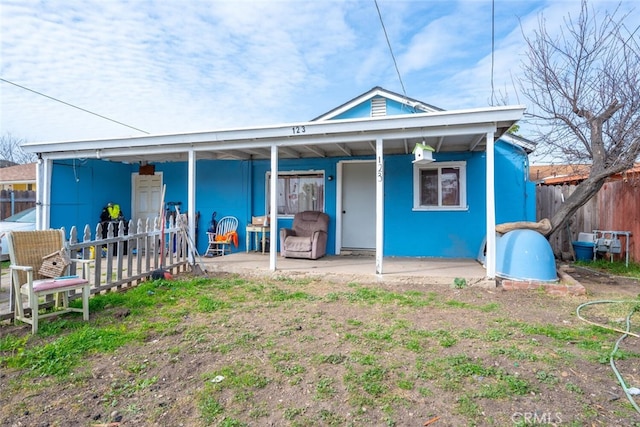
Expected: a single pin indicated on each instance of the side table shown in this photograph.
(255, 230)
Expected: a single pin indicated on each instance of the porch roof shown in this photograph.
(455, 130)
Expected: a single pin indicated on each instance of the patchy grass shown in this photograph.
(616, 268)
(231, 351)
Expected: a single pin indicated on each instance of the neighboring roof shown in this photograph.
(19, 174)
(6, 163)
(542, 173)
(572, 174)
(413, 105)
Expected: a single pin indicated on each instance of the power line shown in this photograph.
(493, 44)
(71, 105)
(390, 50)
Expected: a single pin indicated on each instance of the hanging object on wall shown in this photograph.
(147, 169)
(423, 153)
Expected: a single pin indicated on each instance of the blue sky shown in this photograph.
(173, 66)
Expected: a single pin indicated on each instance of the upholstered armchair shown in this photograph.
(307, 238)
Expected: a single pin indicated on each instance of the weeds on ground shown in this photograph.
(459, 283)
(616, 268)
(391, 360)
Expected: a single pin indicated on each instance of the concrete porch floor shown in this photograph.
(351, 267)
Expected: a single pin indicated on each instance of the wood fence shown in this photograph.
(119, 262)
(616, 207)
(12, 202)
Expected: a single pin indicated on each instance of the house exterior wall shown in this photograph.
(18, 186)
(454, 234)
(81, 188)
(238, 188)
(515, 194)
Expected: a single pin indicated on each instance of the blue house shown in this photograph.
(356, 163)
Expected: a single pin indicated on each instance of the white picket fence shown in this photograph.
(121, 261)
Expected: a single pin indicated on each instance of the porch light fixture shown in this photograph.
(423, 153)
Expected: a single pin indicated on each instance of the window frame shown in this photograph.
(460, 165)
(300, 173)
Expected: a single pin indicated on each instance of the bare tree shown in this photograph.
(11, 150)
(585, 87)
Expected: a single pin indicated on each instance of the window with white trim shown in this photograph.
(298, 191)
(440, 186)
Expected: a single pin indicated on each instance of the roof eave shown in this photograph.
(496, 119)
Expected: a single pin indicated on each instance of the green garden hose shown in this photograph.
(625, 334)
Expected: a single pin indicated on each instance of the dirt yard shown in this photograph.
(300, 352)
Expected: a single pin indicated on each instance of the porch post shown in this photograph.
(491, 209)
(273, 215)
(191, 198)
(43, 193)
(379, 205)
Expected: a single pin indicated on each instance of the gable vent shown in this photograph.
(378, 107)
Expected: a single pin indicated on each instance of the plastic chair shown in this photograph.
(225, 235)
(28, 250)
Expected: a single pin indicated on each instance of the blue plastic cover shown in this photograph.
(525, 255)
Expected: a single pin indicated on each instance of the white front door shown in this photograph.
(147, 192)
(359, 205)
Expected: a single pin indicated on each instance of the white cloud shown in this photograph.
(175, 66)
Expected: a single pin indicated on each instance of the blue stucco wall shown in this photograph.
(237, 188)
(454, 234)
(361, 110)
(81, 188)
(515, 194)
(221, 186)
(449, 234)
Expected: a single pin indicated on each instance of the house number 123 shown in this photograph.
(298, 129)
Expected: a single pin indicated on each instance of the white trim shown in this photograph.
(46, 195)
(440, 208)
(379, 205)
(191, 199)
(339, 182)
(41, 190)
(461, 165)
(491, 209)
(339, 185)
(273, 227)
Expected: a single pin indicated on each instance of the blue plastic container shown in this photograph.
(583, 250)
(525, 255)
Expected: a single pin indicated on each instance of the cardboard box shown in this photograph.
(260, 220)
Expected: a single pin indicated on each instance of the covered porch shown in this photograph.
(358, 267)
(373, 138)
